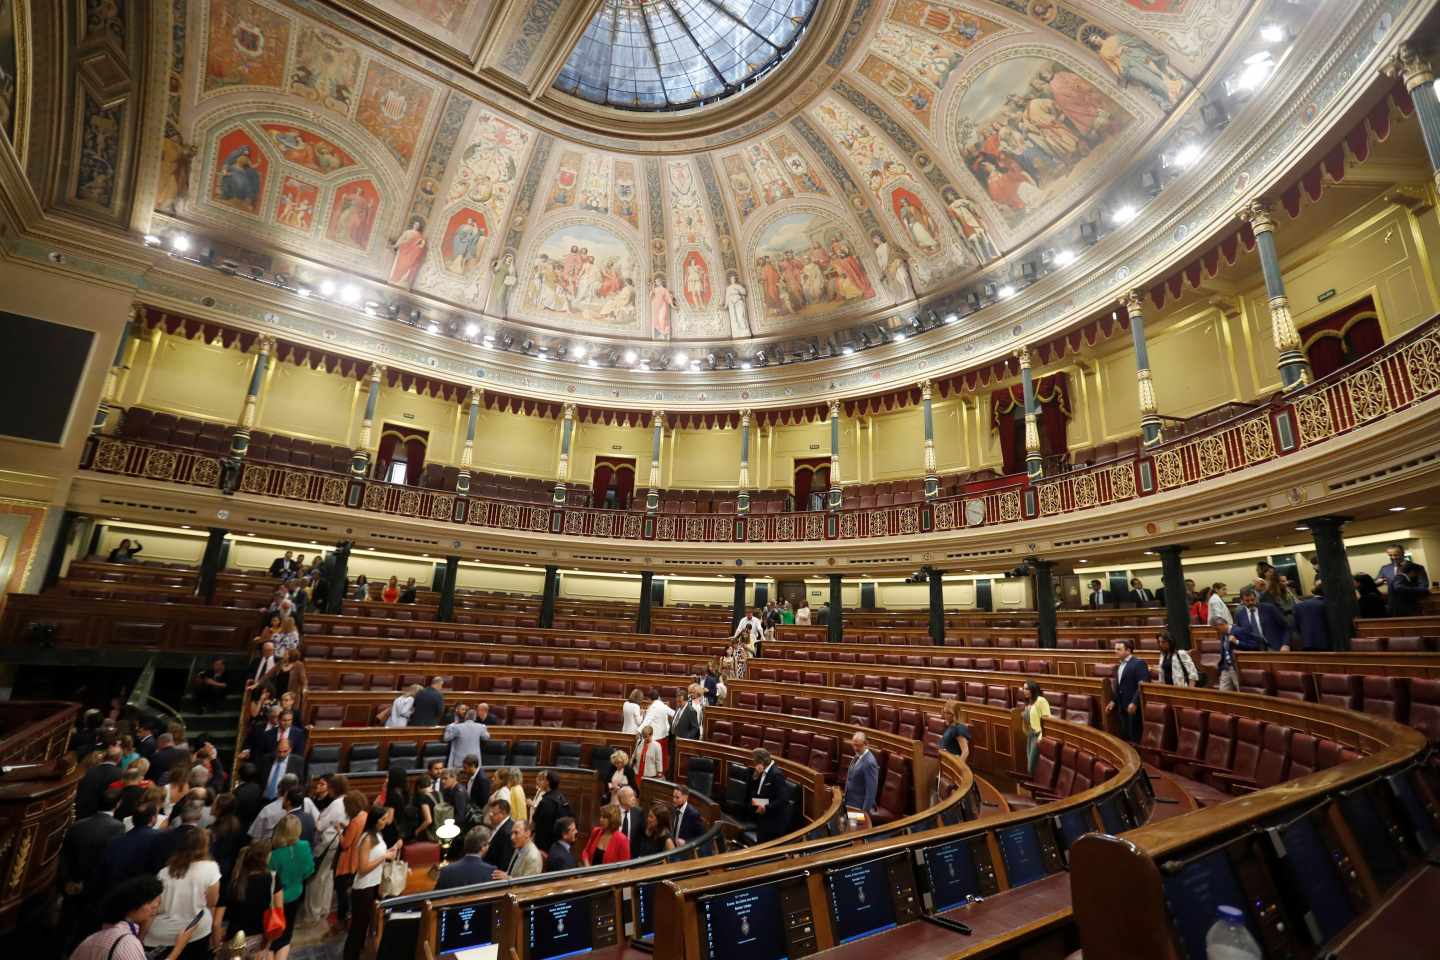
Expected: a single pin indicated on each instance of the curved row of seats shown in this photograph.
(1062, 770)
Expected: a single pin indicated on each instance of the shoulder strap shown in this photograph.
(118, 941)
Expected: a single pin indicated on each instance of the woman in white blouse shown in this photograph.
(1219, 611)
(631, 712)
(802, 614)
(648, 759)
(192, 885)
(400, 709)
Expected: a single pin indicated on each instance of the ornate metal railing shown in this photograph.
(1400, 374)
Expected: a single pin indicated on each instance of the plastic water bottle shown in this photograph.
(1229, 939)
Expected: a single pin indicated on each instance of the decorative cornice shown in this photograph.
(1257, 213)
(1407, 64)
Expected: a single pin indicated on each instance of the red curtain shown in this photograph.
(812, 475)
(1343, 337)
(396, 440)
(1052, 395)
(600, 483)
(616, 472)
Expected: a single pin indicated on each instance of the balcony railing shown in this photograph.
(1398, 375)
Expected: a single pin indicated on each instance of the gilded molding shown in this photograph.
(1257, 214)
(1287, 338)
(1408, 64)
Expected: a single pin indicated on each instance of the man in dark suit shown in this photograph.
(1099, 598)
(502, 848)
(1407, 591)
(145, 738)
(472, 868)
(768, 796)
(1139, 594)
(562, 851)
(167, 755)
(1395, 566)
(96, 781)
(1129, 674)
(1259, 626)
(260, 665)
(685, 822)
(632, 819)
(85, 846)
(286, 729)
(186, 819)
(862, 780)
(249, 794)
(129, 854)
(283, 567)
(473, 779)
(453, 793)
(284, 761)
(429, 705)
(552, 808)
(1311, 622)
(690, 718)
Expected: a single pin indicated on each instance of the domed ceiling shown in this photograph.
(422, 144)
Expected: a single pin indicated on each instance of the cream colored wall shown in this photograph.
(896, 445)
(471, 576)
(517, 445)
(704, 458)
(195, 379)
(161, 545)
(313, 404)
(799, 442)
(594, 441)
(409, 410)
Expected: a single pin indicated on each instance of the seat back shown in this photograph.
(1425, 707)
(364, 758)
(1156, 730)
(1304, 755)
(1387, 697)
(1339, 689)
(1220, 740)
(1274, 764)
(1047, 763)
(1190, 732)
(700, 775)
(1249, 735)
(567, 754)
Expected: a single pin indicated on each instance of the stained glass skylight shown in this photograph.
(669, 54)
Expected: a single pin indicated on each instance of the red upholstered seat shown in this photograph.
(1339, 689)
(1065, 779)
(1304, 755)
(1047, 766)
(1387, 697)
(1425, 707)
(1157, 725)
(1294, 685)
(894, 795)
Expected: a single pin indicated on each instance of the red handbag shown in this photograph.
(274, 919)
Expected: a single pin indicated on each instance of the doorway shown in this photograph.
(812, 481)
(401, 456)
(613, 483)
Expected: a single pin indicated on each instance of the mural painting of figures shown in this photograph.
(966, 219)
(443, 13)
(393, 108)
(9, 67)
(326, 70)
(297, 204)
(246, 45)
(915, 219)
(624, 207)
(490, 163)
(1133, 61)
(806, 266)
(464, 240)
(696, 275)
(240, 169)
(1030, 126)
(352, 214)
(409, 253)
(583, 271)
(307, 149)
(567, 178)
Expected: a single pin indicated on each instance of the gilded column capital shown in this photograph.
(267, 346)
(1409, 65)
(926, 389)
(377, 370)
(834, 409)
(1147, 390)
(1023, 354)
(1257, 214)
(745, 417)
(657, 419)
(477, 395)
(1282, 325)
(1134, 302)
(568, 411)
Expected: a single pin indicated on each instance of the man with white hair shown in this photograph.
(862, 780)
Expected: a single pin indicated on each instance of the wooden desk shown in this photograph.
(1402, 926)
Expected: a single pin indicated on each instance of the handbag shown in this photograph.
(274, 918)
(393, 877)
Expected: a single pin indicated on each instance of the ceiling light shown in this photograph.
(579, 352)
(350, 293)
(680, 359)
(1005, 292)
(184, 526)
(1273, 33)
(1221, 543)
(899, 338)
(1124, 214)
(1301, 527)
(745, 365)
(592, 362)
(371, 310)
(327, 288)
(1256, 71)
(303, 291)
(434, 328)
(151, 240)
(471, 329)
(951, 318)
(179, 243)
(489, 338)
(1082, 561)
(1063, 258)
(1397, 509)
(1187, 155)
(629, 356)
(847, 350)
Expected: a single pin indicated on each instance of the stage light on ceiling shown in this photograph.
(847, 350)
(434, 328)
(303, 291)
(471, 329)
(1124, 214)
(630, 356)
(1252, 76)
(681, 359)
(350, 294)
(327, 288)
(1005, 292)
(580, 351)
(592, 362)
(151, 240)
(1397, 509)
(745, 365)
(179, 243)
(1221, 543)
(1063, 258)
(1186, 156)
(1274, 33)
(899, 337)
(371, 309)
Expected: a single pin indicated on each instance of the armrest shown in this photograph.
(1234, 783)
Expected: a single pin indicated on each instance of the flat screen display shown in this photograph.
(860, 900)
(743, 923)
(1114, 815)
(1313, 872)
(1020, 849)
(644, 911)
(951, 869)
(1422, 825)
(1074, 824)
(462, 927)
(558, 928)
(1192, 895)
(1363, 818)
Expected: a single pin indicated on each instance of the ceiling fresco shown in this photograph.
(952, 132)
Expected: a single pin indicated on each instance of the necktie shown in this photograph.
(679, 815)
(513, 860)
(1255, 619)
(276, 772)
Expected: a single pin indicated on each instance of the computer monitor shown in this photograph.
(1020, 849)
(743, 923)
(1192, 895)
(1377, 844)
(643, 900)
(1418, 816)
(950, 872)
(1074, 824)
(1115, 814)
(1308, 864)
(558, 928)
(461, 928)
(861, 902)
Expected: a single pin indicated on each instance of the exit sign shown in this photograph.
(1325, 296)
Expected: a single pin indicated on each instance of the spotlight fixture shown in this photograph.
(179, 243)
(471, 329)
(507, 341)
(630, 356)
(434, 328)
(1123, 214)
(1214, 114)
(350, 294)
(327, 288)
(1186, 156)
(580, 351)
(1397, 509)
(257, 273)
(973, 299)
(745, 365)
(1029, 269)
(1063, 258)
(561, 352)
(527, 345)
(371, 309)
(1089, 231)
(151, 240)
(681, 359)
(303, 291)
(916, 325)
(899, 337)
(1274, 33)
(1150, 182)
(1005, 292)
(991, 291)
(592, 362)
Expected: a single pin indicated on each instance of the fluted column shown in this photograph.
(652, 496)
(240, 439)
(1294, 367)
(834, 499)
(360, 459)
(562, 471)
(1034, 464)
(108, 393)
(932, 478)
(1419, 77)
(1150, 426)
(742, 502)
(467, 453)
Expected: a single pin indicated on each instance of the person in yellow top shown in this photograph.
(1035, 713)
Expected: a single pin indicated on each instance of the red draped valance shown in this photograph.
(1054, 390)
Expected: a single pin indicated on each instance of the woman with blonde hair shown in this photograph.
(400, 709)
(649, 760)
(288, 637)
(631, 712)
(293, 863)
(956, 737)
(514, 782)
(618, 777)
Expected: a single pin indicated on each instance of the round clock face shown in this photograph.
(974, 512)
